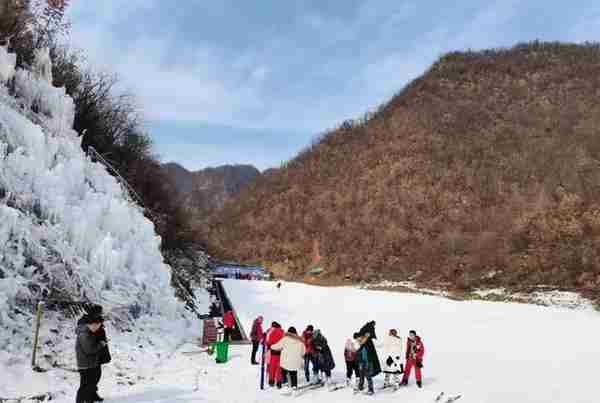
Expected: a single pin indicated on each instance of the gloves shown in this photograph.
(419, 364)
(389, 361)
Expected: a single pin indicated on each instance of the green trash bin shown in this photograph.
(222, 352)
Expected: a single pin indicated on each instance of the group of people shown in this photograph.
(91, 351)
(288, 353)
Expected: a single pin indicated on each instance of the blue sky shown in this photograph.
(225, 82)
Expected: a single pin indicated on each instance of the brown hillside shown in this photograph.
(485, 171)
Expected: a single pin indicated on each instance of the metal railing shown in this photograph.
(131, 193)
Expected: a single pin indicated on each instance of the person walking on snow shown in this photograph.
(87, 351)
(275, 335)
(309, 356)
(256, 336)
(350, 356)
(292, 350)
(392, 359)
(229, 324)
(324, 358)
(415, 350)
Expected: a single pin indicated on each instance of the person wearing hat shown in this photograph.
(87, 350)
(291, 361)
(104, 354)
(256, 335)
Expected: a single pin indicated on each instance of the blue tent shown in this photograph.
(234, 271)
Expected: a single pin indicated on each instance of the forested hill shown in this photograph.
(482, 172)
(205, 191)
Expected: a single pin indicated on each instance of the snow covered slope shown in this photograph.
(487, 352)
(67, 228)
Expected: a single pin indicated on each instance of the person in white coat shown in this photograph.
(292, 357)
(392, 359)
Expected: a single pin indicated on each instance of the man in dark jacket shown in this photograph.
(324, 358)
(256, 335)
(104, 354)
(87, 350)
(369, 330)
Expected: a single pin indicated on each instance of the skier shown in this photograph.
(392, 359)
(309, 357)
(350, 356)
(369, 330)
(229, 324)
(256, 335)
(279, 285)
(87, 351)
(104, 354)
(292, 351)
(324, 358)
(365, 365)
(415, 350)
(275, 335)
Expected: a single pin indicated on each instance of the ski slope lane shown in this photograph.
(486, 351)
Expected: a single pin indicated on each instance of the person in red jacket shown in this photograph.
(256, 335)
(275, 334)
(309, 356)
(229, 324)
(415, 350)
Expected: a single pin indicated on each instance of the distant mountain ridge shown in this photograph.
(207, 190)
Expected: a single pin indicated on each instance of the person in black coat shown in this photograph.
(104, 354)
(324, 358)
(369, 330)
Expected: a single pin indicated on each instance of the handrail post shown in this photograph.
(38, 320)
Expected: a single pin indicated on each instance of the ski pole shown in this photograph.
(262, 366)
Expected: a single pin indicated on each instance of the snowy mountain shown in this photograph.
(68, 230)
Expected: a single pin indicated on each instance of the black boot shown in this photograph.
(419, 384)
(97, 398)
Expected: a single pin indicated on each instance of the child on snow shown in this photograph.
(392, 359)
(292, 351)
(350, 356)
(415, 350)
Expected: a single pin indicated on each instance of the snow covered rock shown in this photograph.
(67, 228)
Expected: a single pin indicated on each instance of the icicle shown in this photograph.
(7, 64)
